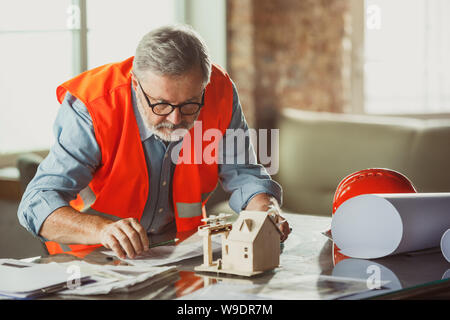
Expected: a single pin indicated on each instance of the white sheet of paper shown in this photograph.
(31, 278)
(158, 256)
(110, 278)
(376, 225)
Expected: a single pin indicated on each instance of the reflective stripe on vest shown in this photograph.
(189, 210)
(77, 250)
(85, 199)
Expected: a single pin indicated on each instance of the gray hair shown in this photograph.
(172, 50)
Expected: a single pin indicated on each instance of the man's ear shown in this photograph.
(133, 81)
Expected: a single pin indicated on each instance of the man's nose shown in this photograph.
(175, 116)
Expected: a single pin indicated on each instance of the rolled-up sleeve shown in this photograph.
(66, 170)
(240, 174)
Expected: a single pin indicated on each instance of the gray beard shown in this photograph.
(156, 129)
(178, 131)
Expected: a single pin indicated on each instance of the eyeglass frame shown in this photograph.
(174, 106)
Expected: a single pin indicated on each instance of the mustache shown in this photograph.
(168, 125)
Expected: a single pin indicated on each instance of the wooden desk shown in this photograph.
(306, 252)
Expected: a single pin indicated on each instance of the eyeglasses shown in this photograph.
(164, 108)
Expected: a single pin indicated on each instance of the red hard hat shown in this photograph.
(368, 181)
(371, 181)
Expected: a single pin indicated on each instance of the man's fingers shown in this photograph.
(134, 238)
(125, 237)
(285, 230)
(124, 242)
(142, 234)
(114, 245)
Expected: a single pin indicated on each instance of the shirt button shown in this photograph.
(166, 156)
(164, 183)
(160, 210)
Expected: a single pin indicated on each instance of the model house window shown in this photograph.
(407, 50)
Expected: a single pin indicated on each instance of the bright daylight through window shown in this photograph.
(407, 50)
(39, 51)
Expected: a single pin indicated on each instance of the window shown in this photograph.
(35, 57)
(407, 50)
(115, 27)
(46, 42)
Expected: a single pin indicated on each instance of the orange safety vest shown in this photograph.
(120, 186)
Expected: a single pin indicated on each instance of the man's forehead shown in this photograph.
(189, 86)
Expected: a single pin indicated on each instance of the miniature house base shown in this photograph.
(215, 268)
(250, 246)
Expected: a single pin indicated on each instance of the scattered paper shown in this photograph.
(110, 278)
(158, 256)
(24, 280)
(376, 225)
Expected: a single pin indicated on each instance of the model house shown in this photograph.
(252, 246)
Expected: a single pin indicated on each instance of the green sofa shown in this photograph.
(317, 150)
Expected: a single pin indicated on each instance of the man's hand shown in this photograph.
(283, 225)
(264, 202)
(125, 237)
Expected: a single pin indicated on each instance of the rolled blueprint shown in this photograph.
(445, 245)
(377, 225)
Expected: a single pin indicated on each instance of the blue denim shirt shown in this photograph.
(74, 157)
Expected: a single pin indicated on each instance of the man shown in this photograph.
(112, 179)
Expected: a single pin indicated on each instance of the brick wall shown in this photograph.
(289, 53)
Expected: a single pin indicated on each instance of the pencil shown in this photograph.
(163, 243)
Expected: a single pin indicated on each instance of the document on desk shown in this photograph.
(25, 280)
(111, 278)
(159, 256)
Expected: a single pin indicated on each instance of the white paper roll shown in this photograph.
(377, 225)
(445, 245)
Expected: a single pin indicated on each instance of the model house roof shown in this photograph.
(249, 224)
